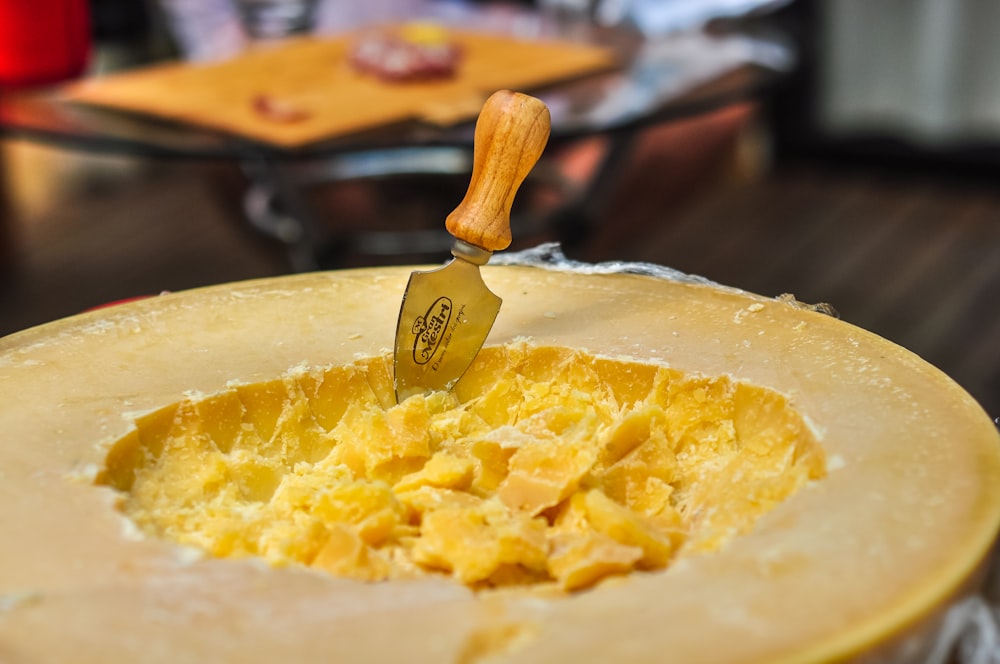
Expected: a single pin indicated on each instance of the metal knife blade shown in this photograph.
(447, 313)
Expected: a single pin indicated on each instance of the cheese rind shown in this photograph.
(851, 566)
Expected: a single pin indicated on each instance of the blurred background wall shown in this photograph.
(899, 82)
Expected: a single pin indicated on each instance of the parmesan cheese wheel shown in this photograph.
(858, 558)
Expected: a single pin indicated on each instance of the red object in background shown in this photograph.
(126, 300)
(43, 41)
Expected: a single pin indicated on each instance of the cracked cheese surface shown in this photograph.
(546, 466)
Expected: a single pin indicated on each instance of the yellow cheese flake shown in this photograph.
(546, 470)
(370, 507)
(544, 466)
(441, 470)
(475, 542)
(581, 560)
(344, 553)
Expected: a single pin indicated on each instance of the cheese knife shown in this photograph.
(447, 313)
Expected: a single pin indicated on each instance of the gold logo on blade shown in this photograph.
(428, 330)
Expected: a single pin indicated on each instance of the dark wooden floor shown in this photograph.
(915, 258)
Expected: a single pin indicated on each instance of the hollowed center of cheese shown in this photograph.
(545, 466)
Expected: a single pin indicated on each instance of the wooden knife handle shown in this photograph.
(511, 133)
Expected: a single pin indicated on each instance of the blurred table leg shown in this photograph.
(7, 254)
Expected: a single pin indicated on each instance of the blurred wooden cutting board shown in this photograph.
(313, 77)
